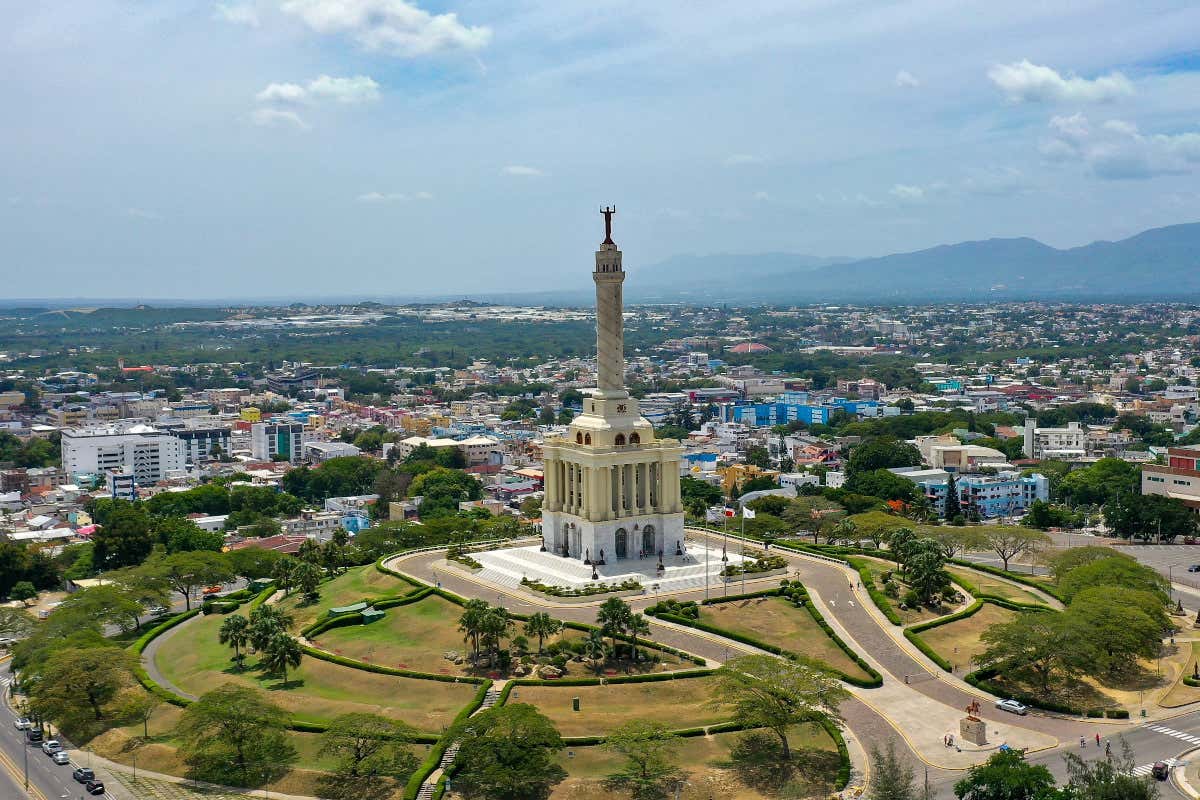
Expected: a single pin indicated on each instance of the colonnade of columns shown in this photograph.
(609, 492)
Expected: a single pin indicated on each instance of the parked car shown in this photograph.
(94, 787)
(1013, 707)
(51, 746)
(83, 774)
(61, 757)
(33, 735)
(22, 723)
(212, 590)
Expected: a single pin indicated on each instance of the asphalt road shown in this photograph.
(47, 780)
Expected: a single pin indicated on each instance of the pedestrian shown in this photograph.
(1082, 742)
(1097, 740)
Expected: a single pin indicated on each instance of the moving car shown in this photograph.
(61, 758)
(33, 735)
(83, 774)
(22, 723)
(51, 746)
(1161, 770)
(1013, 707)
(1194, 568)
(212, 590)
(94, 787)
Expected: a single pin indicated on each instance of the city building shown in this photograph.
(277, 438)
(149, 454)
(316, 452)
(1178, 478)
(611, 487)
(1004, 495)
(1063, 444)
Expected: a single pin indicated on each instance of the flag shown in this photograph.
(748, 513)
(728, 511)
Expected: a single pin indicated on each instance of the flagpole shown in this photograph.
(725, 554)
(742, 552)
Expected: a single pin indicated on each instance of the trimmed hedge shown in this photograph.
(911, 633)
(385, 670)
(1012, 576)
(651, 677)
(434, 757)
(881, 601)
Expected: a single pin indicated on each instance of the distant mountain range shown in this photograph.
(1161, 262)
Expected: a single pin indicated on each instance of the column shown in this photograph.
(613, 484)
(549, 483)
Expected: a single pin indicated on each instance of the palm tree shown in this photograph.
(697, 506)
(845, 530)
(638, 626)
(265, 622)
(593, 648)
(282, 573)
(613, 616)
(542, 625)
(495, 626)
(235, 632)
(282, 651)
(471, 622)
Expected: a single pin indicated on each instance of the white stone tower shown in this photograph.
(612, 489)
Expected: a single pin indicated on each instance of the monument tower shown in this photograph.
(611, 488)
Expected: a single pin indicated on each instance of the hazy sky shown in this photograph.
(156, 148)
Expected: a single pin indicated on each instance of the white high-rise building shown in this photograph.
(277, 438)
(612, 489)
(148, 453)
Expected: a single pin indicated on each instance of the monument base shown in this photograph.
(973, 730)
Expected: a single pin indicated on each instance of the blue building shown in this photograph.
(1006, 494)
(796, 407)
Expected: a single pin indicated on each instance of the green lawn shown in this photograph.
(958, 641)
(351, 586)
(193, 660)
(681, 703)
(990, 584)
(776, 621)
(704, 758)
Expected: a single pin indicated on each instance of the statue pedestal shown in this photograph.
(973, 730)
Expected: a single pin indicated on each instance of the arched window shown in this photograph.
(587, 438)
(578, 438)
(635, 438)
(620, 440)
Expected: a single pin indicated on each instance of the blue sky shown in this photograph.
(254, 148)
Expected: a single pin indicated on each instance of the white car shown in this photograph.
(1013, 707)
(61, 757)
(22, 724)
(51, 747)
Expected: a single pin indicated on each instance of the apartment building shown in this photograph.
(147, 453)
(283, 438)
(1178, 478)
(1063, 444)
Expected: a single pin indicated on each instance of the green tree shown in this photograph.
(1008, 542)
(254, 563)
(883, 484)
(306, 577)
(281, 652)
(369, 749)
(953, 508)
(1115, 571)
(188, 571)
(77, 681)
(594, 649)
(543, 626)
(1110, 778)
(1041, 646)
(648, 750)
(283, 571)
(107, 604)
(614, 617)
(766, 692)
(23, 591)
(508, 753)
(235, 632)
(265, 622)
(233, 734)
(179, 535)
(881, 452)
(125, 539)
(1063, 561)
(15, 623)
(1006, 775)
(472, 621)
(926, 570)
(1122, 625)
(759, 456)
(891, 776)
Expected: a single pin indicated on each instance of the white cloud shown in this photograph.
(237, 14)
(141, 213)
(390, 26)
(762, 196)
(357, 89)
(1117, 150)
(274, 117)
(282, 93)
(1023, 81)
(743, 159)
(423, 196)
(523, 171)
(907, 193)
(381, 197)
(906, 80)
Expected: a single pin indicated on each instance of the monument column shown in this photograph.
(610, 337)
